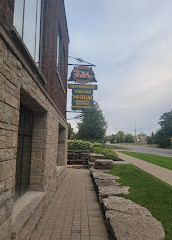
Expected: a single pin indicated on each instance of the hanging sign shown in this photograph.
(82, 74)
(82, 93)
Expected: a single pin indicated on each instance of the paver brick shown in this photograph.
(73, 212)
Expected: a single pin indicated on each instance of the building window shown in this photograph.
(24, 150)
(59, 42)
(27, 20)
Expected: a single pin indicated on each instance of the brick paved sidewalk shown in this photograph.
(74, 212)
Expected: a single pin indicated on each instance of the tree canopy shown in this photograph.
(121, 137)
(164, 134)
(93, 125)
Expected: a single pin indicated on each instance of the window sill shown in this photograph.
(23, 209)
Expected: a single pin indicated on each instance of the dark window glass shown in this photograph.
(27, 20)
(24, 150)
(18, 15)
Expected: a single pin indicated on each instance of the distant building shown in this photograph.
(141, 138)
(33, 128)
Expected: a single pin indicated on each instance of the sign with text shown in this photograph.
(82, 74)
(82, 102)
(82, 97)
(82, 91)
(82, 86)
(84, 108)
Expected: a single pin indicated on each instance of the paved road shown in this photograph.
(147, 149)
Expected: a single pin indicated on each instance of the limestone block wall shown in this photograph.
(18, 84)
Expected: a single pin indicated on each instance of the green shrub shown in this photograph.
(108, 153)
(98, 145)
(79, 145)
(98, 148)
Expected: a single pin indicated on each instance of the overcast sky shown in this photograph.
(130, 41)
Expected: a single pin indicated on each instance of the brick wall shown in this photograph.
(17, 86)
(21, 82)
(51, 21)
(53, 16)
(6, 13)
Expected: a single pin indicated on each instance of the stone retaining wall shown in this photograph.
(78, 157)
(124, 219)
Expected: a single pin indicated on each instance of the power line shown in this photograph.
(77, 117)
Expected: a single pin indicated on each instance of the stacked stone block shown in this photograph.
(124, 219)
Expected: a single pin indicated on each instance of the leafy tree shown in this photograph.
(120, 136)
(112, 138)
(165, 132)
(93, 125)
(151, 139)
(129, 138)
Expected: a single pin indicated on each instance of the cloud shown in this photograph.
(130, 42)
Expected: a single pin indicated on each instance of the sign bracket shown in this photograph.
(86, 65)
(81, 61)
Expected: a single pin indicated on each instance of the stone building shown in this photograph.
(141, 138)
(33, 129)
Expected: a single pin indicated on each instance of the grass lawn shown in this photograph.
(165, 162)
(149, 192)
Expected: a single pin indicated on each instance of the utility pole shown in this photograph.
(135, 131)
